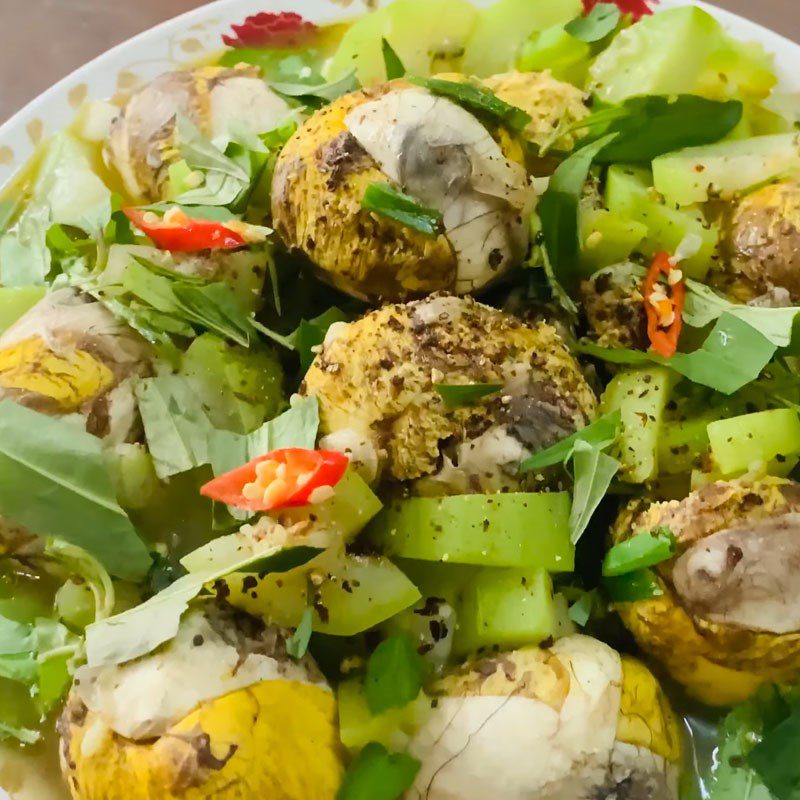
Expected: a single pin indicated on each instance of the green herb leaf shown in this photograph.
(596, 25)
(175, 425)
(465, 394)
(24, 735)
(643, 584)
(296, 427)
(601, 433)
(54, 481)
(383, 199)
(732, 778)
(650, 126)
(311, 333)
(395, 672)
(775, 760)
(140, 630)
(394, 66)
(593, 472)
(558, 211)
(704, 306)
(581, 610)
(479, 100)
(376, 774)
(216, 308)
(645, 549)
(312, 94)
(297, 643)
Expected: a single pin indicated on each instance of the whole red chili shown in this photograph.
(266, 29)
(636, 8)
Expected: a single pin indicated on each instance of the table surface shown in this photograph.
(66, 33)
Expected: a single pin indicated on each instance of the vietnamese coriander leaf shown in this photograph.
(651, 125)
(395, 672)
(642, 584)
(310, 333)
(394, 66)
(592, 471)
(297, 643)
(595, 25)
(775, 760)
(558, 212)
(54, 481)
(176, 426)
(465, 394)
(704, 306)
(315, 94)
(733, 354)
(479, 100)
(645, 549)
(216, 308)
(383, 199)
(600, 433)
(377, 774)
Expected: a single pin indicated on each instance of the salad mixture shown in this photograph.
(409, 409)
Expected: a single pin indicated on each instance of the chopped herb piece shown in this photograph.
(643, 584)
(394, 66)
(558, 211)
(595, 25)
(601, 433)
(315, 95)
(311, 333)
(395, 672)
(467, 394)
(477, 99)
(593, 472)
(377, 774)
(383, 199)
(645, 549)
(297, 643)
(775, 760)
(55, 482)
(650, 126)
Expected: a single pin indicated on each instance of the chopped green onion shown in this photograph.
(394, 66)
(645, 549)
(477, 99)
(643, 584)
(467, 394)
(383, 199)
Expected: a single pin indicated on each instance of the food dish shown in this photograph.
(373, 401)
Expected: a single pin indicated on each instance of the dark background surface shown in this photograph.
(44, 40)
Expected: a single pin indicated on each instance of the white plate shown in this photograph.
(198, 32)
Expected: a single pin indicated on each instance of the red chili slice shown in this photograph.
(663, 337)
(281, 478)
(636, 8)
(179, 233)
(267, 29)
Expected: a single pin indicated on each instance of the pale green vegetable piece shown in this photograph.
(607, 238)
(725, 169)
(680, 51)
(680, 443)
(239, 387)
(427, 35)
(566, 57)
(502, 28)
(358, 725)
(629, 194)
(739, 442)
(640, 396)
(520, 529)
(132, 473)
(349, 594)
(506, 608)
(15, 301)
